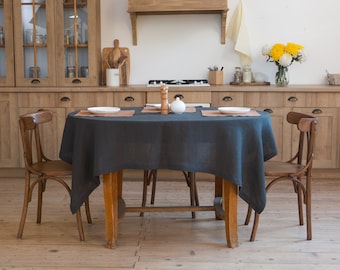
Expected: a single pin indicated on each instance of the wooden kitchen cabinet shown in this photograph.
(57, 43)
(78, 49)
(34, 43)
(6, 44)
(60, 103)
(158, 7)
(320, 101)
(129, 99)
(201, 96)
(9, 136)
(278, 104)
(224, 99)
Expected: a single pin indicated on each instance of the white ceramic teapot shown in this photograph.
(177, 106)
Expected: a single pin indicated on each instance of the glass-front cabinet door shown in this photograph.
(34, 42)
(6, 44)
(78, 51)
(57, 42)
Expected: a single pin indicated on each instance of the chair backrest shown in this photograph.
(30, 135)
(306, 126)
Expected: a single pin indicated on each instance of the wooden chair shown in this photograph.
(298, 170)
(151, 176)
(38, 168)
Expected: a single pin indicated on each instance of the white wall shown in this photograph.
(184, 46)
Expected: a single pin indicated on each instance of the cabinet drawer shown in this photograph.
(220, 99)
(294, 99)
(38, 100)
(275, 100)
(187, 97)
(84, 99)
(129, 99)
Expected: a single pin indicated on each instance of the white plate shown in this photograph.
(153, 105)
(103, 109)
(234, 109)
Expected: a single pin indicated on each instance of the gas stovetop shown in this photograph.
(174, 83)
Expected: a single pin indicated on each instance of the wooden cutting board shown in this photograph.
(115, 56)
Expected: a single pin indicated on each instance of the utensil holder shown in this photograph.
(215, 77)
(112, 77)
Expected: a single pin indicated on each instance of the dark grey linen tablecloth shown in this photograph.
(233, 148)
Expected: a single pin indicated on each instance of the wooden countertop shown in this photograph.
(144, 88)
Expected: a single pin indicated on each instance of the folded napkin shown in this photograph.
(218, 113)
(158, 110)
(116, 114)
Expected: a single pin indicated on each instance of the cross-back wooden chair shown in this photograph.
(298, 170)
(39, 169)
(150, 176)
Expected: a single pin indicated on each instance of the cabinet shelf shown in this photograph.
(158, 7)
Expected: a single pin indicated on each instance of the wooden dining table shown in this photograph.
(233, 147)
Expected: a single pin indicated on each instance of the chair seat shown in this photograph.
(277, 168)
(54, 167)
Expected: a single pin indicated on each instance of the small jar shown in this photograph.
(2, 36)
(238, 75)
(84, 71)
(247, 74)
(70, 71)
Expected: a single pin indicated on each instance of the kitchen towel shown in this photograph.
(238, 32)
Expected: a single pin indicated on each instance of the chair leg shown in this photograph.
(191, 180)
(80, 226)
(255, 225)
(87, 211)
(300, 205)
(40, 197)
(153, 175)
(246, 222)
(308, 199)
(23, 216)
(145, 190)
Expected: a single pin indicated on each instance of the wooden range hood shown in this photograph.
(158, 7)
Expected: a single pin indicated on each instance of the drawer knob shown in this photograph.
(76, 81)
(65, 99)
(268, 110)
(292, 99)
(227, 98)
(317, 111)
(129, 99)
(35, 81)
(180, 96)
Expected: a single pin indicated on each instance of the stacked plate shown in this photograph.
(101, 110)
(231, 110)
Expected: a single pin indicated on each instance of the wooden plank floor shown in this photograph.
(168, 240)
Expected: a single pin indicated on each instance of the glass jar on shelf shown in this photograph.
(2, 36)
(247, 74)
(237, 75)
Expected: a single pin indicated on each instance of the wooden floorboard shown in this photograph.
(168, 240)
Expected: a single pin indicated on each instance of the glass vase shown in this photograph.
(281, 76)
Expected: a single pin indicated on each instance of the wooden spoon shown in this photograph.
(115, 54)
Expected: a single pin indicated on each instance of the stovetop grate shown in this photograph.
(155, 83)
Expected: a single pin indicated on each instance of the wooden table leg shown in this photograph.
(110, 186)
(230, 213)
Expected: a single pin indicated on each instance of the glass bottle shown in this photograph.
(2, 36)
